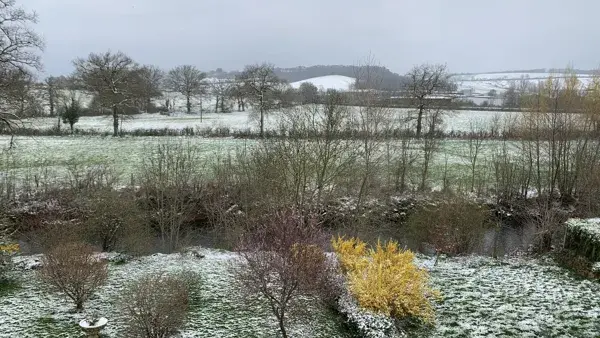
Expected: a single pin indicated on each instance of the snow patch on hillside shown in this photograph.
(337, 82)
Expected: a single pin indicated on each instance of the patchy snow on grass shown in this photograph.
(483, 297)
(515, 297)
(221, 311)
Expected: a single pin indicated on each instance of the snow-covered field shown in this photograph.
(51, 159)
(54, 159)
(338, 82)
(482, 83)
(483, 297)
(234, 121)
(453, 121)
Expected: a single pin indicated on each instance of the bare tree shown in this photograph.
(74, 270)
(261, 85)
(148, 86)
(238, 92)
(428, 146)
(19, 47)
(52, 93)
(424, 82)
(222, 90)
(473, 151)
(306, 168)
(19, 44)
(112, 78)
(373, 121)
(510, 97)
(169, 182)
(309, 93)
(401, 156)
(187, 80)
(493, 94)
(282, 261)
(22, 95)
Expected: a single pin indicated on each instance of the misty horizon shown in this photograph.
(468, 36)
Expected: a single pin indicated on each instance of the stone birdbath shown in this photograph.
(93, 326)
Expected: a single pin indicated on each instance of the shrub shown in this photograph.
(115, 222)
(170, 181)
(452, 228)
(385, 279)
(7, 250)
(51, 234)
(156, 305)
(74, 270)
(283, 262)
(549, 224)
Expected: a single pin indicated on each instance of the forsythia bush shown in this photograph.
(385, 279)
(9, 249)
(6, 253)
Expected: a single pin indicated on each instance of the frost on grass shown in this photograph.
(482, 298)
(589, 228)
(513, 298)
(220, 310)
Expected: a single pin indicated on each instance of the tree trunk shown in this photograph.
(282, 327)
(58, 125)
(262, 117)
(217, 105)
(115, 121)
(79, 305)
(51, 105)
(262, 123)
(188, 104)
(71, 124)
(420, 121)
(222, 105)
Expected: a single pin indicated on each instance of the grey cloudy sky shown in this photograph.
(468, 35)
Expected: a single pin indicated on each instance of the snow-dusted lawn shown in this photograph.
(517, 297)
(220, 313)
(483, 297)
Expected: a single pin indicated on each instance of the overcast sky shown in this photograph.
(468, 35)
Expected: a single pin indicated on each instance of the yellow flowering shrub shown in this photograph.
(9, 249)
(384, 279)
(6, 253)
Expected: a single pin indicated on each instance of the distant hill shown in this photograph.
(389, 80)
